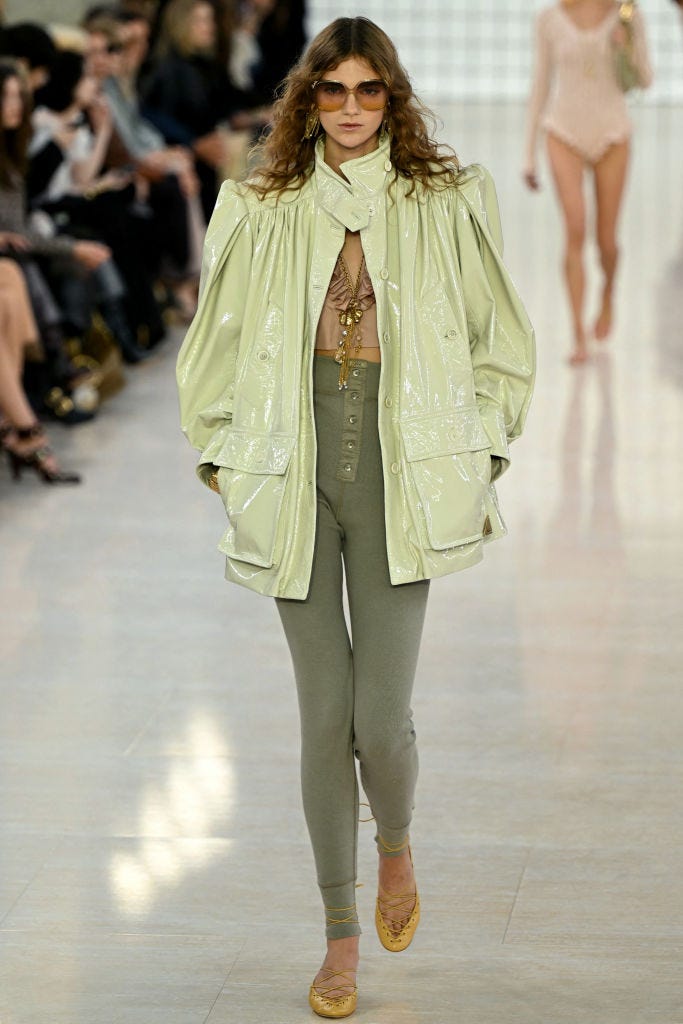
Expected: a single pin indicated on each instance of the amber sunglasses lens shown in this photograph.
(330, 96)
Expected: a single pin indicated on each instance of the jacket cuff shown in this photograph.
(206, 464)
(494, 425)
(205, 471)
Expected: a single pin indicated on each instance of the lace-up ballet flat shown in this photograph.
(405, 922)
(326, 1005)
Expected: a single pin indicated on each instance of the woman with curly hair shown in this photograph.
(357, 367)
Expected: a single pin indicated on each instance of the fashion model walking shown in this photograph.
(579, 102)
(357, 367)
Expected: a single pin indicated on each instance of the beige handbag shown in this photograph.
(624, 68)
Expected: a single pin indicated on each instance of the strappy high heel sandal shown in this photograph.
(38, 460)
(396, 939)
(326, 1005)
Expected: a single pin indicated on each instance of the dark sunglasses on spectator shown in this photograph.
(372, 95)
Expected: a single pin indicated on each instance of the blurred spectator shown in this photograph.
(33, 50)
(86, 201)
(280, 39)
(134, 35)
(188, 94)
(25, 245)
(171, 181)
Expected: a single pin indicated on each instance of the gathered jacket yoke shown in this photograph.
(457, 365)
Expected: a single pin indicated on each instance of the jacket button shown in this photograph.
(355, 372)
(347, 467)
(263, 355)
(452, 333)
(384, 273)
(351, 445)
(387, 165)
(386, 337)
(354, 396)
(353, 419)
(388, 402)
(395, 467)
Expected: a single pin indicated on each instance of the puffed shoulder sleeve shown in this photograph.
(206, 363)
(501, 336)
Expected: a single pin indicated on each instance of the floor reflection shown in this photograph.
(670, 310)
(199, 789)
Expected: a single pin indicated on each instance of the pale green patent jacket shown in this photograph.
(457, 365)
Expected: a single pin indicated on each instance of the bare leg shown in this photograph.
(342, 955)
(610, 178)
(17, 328)
(567, 169)
(396, 876)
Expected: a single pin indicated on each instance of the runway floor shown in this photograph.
(154, 863)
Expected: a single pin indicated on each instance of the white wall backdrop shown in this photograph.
(482, 49)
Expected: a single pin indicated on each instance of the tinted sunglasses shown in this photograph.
(372, 95)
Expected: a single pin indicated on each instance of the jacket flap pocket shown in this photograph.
(427, 437)
(256, 453)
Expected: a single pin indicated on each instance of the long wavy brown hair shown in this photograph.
(14, 141)
(285, 159)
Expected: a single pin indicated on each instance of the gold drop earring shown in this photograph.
(312, 124)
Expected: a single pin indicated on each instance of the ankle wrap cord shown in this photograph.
(341, 916)
(388, 849)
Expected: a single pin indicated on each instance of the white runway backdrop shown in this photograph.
(481, 50)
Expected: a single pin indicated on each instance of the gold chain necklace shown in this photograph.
(349, 319)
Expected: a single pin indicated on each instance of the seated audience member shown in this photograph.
(168, 172)
(134, 35)
(26, 245)
(188, 94)
(83, 271)
(280, 39)
(34, 52)
(84, 200)
(22, 436)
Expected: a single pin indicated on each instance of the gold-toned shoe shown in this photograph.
(334, 1006)
(396, 941)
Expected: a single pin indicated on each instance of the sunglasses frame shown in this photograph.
(354, 92)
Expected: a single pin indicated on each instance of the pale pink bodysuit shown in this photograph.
(575, 95)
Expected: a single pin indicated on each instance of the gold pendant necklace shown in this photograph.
(349, 320)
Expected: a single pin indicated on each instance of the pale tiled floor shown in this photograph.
(154, 866)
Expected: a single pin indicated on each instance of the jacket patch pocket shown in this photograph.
(252, 481)
(449, 465)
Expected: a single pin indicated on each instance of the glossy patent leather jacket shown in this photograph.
(457, 355)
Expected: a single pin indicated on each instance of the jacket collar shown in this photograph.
(347, 200)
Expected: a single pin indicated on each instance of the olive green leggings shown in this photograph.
(354, 694)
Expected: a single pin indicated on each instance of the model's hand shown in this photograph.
(531, 181)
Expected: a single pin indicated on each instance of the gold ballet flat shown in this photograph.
(334, 1006)
(396, 941)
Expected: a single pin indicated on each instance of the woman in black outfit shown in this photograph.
(188, 92)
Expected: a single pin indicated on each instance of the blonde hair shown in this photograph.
(285, 159)
(174, 22)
